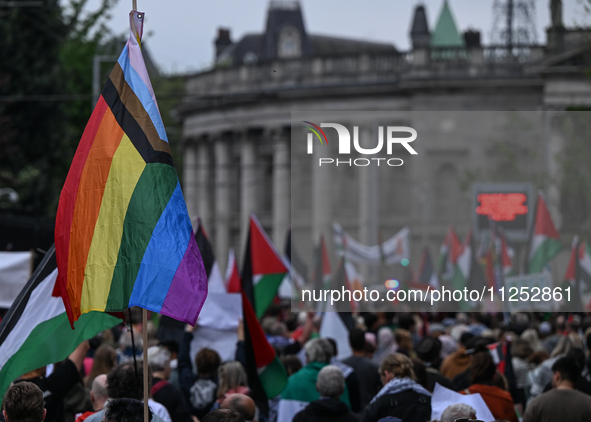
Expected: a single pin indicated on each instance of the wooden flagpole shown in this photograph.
(145, 363)
(134, 4)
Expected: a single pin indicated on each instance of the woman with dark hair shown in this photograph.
(402, 396)
(105, 359)
(483, 381)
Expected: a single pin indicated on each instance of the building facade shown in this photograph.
(237, 127)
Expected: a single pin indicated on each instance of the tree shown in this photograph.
(45, 85)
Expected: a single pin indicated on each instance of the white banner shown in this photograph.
(531, 292)
(15, 270)
(217, 325)
(392, 251)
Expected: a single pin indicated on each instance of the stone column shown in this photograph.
(222, 199)
(322, 191)
(281, 186)
(190, 179)
(368, 200)
(248, 184)
(204, 176)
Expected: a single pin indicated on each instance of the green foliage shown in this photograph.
(46, 57)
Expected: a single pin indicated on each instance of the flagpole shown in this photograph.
(134, 4)
(145, 360)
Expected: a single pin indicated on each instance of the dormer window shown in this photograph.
(290, 43)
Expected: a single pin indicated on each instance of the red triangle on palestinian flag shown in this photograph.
(544, 225)
(264, 256)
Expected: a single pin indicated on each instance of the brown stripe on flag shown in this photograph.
(134, 106)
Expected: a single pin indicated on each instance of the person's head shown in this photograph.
(357, 340)
(105, 359)
(520, 348)
(126, 342)
(565, 372)
(98, 392)
(172, 346)
(318, 350)
(125, 410)
(207, 362)
(330, 382)
(159, 360)
(223, 415)
(458, 411)
(483, 368)
(23, 402)
(291, 363)
(566, 343)
(406, 322)
(396, 365)
(428, 349)
(385, 337)
(231, 375)
(242, 404)
(124, 383)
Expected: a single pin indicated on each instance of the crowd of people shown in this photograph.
(529, 367)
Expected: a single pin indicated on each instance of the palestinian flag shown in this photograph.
(233, 283)
(297, 268)
(266, 375)
(215, 282)
(263, 269)
(321, 271)
(506, 254)
(545, 241)
(448, 255)
(426, 274)
(36, 332)
(578, 273)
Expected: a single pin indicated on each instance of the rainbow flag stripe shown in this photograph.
(123, 235)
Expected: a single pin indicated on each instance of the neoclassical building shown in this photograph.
(237, 127)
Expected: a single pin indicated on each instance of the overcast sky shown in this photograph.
(180, 33)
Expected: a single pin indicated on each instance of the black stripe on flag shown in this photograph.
(45, 268)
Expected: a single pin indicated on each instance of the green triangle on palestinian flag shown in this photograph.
(545, 242)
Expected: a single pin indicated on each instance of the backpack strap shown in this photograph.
(158, 386)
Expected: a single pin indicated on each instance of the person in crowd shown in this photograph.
(233, 379)
(401, 396)
(330, 384)
(428, 351)
(563, 402)
(404, 342)
(125, 351)
(123, 382)
(98, 396)
(105, 359)
(301, 386)
(368, 371)
(498, 400)
(56, 386)
(386, 345)
(458, 411)
(126, 410)
(223, 415)
(542, 374)
(370, 345)
(173, 347)
(458, 361)
(242, 404)
(291, 363)
(532, 338)
(200, 390)
(163, 391)
(556, 334)
(23, 402)
(520, 352)
(351, 378)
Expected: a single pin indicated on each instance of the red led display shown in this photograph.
(501, 206)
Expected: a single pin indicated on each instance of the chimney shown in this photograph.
(419, 33)
(472, 38)
(222, 41)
